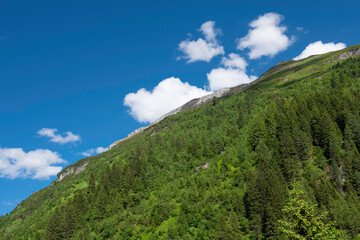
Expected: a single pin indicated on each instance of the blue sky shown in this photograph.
(68, 67)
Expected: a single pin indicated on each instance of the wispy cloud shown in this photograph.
(266, 38)
(202, 49)
(57, 138)
(93, 151)
(36, 164)
(4, 202)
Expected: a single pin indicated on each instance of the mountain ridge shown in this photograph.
(299, 122)
(196, 102)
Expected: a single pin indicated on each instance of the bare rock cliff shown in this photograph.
(73, 170)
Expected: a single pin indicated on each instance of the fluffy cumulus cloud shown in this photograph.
(234, 61)
(319, 48)
(266, 38)
(93, 151)
(37, 164)
(202, 49)
(147, 106)
(57, 138)
(232, 74)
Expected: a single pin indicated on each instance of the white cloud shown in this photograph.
(319, 48)
(227, 77)
(232, 74)
(209, 31)
(202, 49)
(234, 61)
(37, 164)
(57, 138)
(170, 93)
(93, 151)
(267, 37)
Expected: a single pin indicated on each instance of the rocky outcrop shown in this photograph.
(73, 170)
(201, 166)
(133, 133)
(351, 53)
(197, 102)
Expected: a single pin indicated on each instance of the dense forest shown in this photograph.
(278, 160)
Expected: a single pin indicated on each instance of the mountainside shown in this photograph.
(276, 159)
(194, 103)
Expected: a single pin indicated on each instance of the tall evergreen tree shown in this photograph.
(303, 222)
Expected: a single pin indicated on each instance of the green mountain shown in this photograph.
(276, 159)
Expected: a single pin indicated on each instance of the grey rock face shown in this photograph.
(133, 133)
(73, 171)
(351, 53)
(203, 166)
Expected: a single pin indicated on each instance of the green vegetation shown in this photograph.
(302, 221)
(283, 157)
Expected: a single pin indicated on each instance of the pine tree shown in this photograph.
(302, 221)
(91, 187)
(229, 228)
(54, 230)
(69, 219)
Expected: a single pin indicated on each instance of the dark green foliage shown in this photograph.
(255, 143)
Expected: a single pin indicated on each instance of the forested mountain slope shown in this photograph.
(251, 165)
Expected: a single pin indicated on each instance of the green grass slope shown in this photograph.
(294, 132)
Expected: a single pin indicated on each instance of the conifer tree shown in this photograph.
(55, 226)
(303, 222)
(91, 187)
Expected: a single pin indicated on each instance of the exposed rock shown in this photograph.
(283, 62)
(129, 136)
(203, 166)
(73, 170)
(341, 179)
(137, 131)
(351, 53)
(294, 64)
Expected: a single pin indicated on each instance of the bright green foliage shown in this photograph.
(303, 222)
(299, 122)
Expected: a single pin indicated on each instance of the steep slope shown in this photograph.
(194, 103)
(219, 171)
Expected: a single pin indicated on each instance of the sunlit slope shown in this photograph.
(299, 122)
